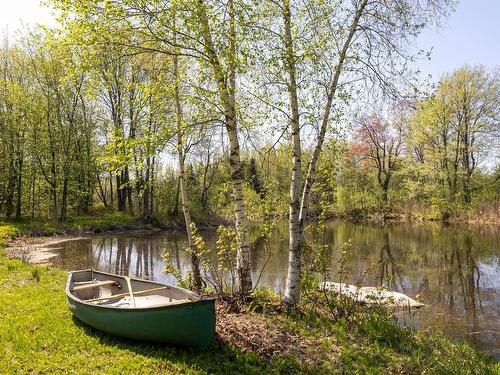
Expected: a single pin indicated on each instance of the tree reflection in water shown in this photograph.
(389, 273)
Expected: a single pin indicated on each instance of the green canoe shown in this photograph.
(140, 309)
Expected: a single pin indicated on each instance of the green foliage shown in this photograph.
(220, 268)
(99, 221)
(36, 273)
(217, 264)
(7, 231)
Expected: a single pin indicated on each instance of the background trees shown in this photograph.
(202, 109)
(456, 128)
(380, 143)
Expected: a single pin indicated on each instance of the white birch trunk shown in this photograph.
(292, 288)
(186, 209)
(299, 206)
(226, 94)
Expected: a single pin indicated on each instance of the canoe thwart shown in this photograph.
(121, 295)
(96, 285)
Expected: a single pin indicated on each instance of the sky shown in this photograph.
(471, 35)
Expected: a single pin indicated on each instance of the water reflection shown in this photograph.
(456, 270)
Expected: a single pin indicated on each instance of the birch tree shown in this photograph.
(225, 80)
(368, 42)
(200, 38)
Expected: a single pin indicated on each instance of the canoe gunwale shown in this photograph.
(70, 296)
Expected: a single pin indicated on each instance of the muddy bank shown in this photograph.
(39, 246)
(40, 249)
(37, 250)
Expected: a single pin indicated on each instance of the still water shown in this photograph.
(455, 270)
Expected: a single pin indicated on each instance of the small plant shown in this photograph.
(36, 272)
(171, 269)
(266, 227)
(217, 264)
(25, 254)
(318, 269)
(199, 249)
(11, 265)
(220, 269)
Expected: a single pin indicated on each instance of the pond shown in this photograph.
(455, 270)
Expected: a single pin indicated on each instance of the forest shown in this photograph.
(86, 126)
(101, 141)
(174, 113)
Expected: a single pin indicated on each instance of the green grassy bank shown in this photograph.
(98, 222)
(39, 335)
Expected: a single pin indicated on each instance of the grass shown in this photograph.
(42, 337)
(99, 221)
(369, 342)
(39, 335)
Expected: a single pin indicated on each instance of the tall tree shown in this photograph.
(149, 31)
(377, 31)
(225, 79)
(381, 143)
(456, 127)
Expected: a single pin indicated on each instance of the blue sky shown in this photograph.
(471, 35)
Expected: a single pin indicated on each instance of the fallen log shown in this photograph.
(372, 295)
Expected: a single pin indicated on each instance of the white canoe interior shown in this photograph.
(103, 289)
(372, 295)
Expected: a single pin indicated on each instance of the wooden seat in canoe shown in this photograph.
(96, 285)
(143, 302)
(121, 295)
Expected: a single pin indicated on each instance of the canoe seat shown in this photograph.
(96, 285)
(142, 302)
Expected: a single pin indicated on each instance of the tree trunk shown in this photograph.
(9, 196)
(292, 288)
(128, 192)
(54, 202)
(19, 188)
(111, 198)
(296, 219)
(33, 192)
(119, 192)
(64, 202)
(311, 171)
(227, 97)
(102, 191)
(146, 199)
(195, 262)
(152, 187)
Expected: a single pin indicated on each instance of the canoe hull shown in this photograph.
(189, 324)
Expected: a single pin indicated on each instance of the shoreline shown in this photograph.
(33, 248)
(39, 249)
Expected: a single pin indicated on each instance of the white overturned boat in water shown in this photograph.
(372, 295)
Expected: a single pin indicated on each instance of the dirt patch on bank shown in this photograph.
(258, 333)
